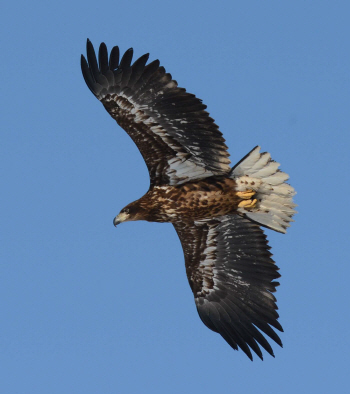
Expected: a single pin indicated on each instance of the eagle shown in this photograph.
(217, 210)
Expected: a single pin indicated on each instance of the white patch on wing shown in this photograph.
(235, 275)
(181, 168)
(210, 268)
(206, 267)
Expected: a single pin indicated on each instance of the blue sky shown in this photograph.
(87, 308)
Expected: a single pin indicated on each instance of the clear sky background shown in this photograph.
(87, 308)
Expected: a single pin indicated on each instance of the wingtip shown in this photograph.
(103, 45)
(89, 44)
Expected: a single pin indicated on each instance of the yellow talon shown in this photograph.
(246, 195)
(247, 204)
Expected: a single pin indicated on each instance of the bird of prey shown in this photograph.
(217, 211)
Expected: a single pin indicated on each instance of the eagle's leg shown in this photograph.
(247, 204)
(246, 195)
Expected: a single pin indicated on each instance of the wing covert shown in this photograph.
(231, 273)
(175, 135)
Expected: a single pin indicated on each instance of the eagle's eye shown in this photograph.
(125, 210)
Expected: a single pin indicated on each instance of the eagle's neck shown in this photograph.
(148, 208)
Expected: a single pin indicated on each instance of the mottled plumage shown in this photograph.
(217, 211)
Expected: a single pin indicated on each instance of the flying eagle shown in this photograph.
(217, 211)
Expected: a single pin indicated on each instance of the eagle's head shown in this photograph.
(131, 212)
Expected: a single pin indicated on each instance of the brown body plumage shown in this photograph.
(214, 196)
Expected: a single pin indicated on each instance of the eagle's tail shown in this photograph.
(272, 204)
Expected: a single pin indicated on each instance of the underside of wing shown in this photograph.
(175, 135)
(231, 273)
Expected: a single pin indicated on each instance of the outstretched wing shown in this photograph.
(175, 135)
(231, 273)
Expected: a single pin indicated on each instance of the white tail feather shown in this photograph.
(275, 207)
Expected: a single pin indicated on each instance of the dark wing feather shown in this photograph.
(175, 135)
(231, 273)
